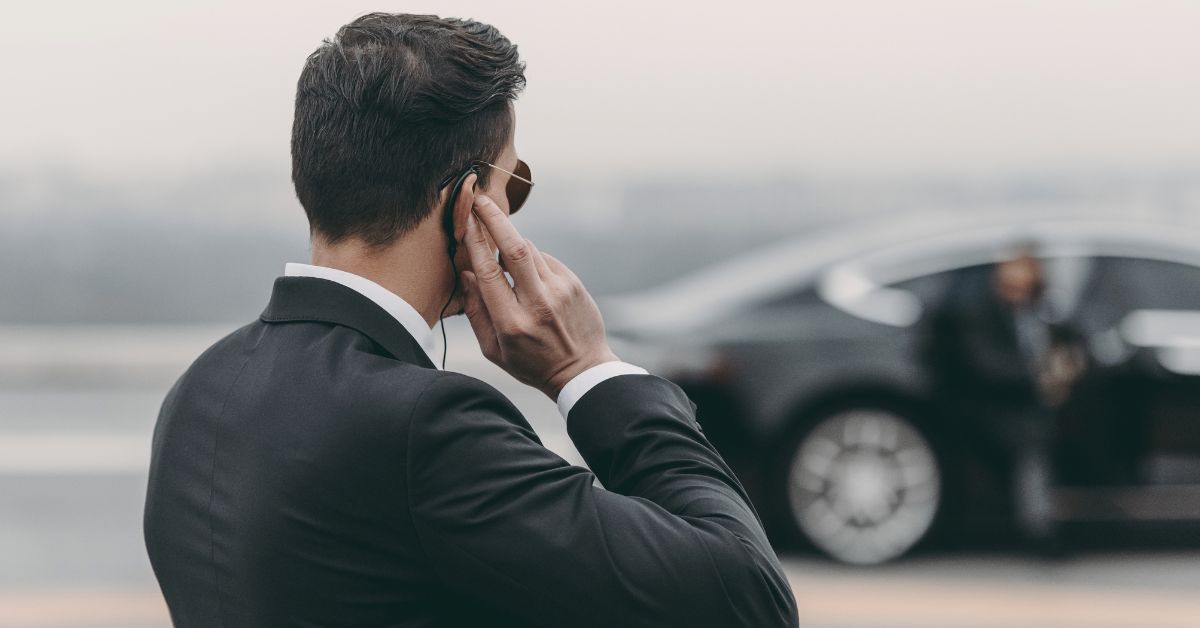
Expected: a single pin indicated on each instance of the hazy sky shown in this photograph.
(135, 88)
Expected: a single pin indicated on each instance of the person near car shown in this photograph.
(994, 353)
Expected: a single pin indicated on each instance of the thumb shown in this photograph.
(481, 321)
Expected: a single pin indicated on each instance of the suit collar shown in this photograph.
(400, 309)
(312, 299)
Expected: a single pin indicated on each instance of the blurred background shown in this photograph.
(930, 270)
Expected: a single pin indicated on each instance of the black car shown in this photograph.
(804, 361)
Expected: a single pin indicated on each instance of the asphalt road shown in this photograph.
(72, 481)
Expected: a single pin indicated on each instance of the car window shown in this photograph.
(1124, 284)
(793, 298)
(1155, 284)
(931, 288)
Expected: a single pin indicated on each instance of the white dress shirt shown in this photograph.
(415, 324)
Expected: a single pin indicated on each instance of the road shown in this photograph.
(72, 481)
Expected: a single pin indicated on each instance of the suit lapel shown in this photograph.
(296, 299)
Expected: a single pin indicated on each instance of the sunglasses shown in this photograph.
(520, 182)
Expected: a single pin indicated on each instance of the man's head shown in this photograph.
(1018, 279)
(387, 108)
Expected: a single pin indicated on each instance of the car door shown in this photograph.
(1141, 318)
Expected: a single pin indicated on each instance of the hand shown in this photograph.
(1063, 366)
(545, 328)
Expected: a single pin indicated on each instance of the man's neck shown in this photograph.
(413, 268)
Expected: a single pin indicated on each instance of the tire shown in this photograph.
(863, 485)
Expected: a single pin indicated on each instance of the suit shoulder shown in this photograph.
(241, 339)
(229, 347)
(444, 386)
(214, 368)
(449, 391)
(454, 381)
(382, 380)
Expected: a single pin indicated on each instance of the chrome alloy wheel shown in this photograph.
(864, 486)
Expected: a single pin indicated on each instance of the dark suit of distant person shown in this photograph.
(994, 356)
(316, 468)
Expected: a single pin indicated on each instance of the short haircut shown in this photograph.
(387, 108)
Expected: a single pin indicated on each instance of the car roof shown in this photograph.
(895, 248)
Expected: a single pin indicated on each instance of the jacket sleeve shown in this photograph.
(673, 541)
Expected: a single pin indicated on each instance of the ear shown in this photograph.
(463, 205)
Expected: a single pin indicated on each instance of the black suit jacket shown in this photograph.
(971, 344)
(313, 468)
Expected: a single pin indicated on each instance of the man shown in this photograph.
(316, 468)
(993, 354)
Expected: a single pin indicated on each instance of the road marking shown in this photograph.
(41, 453)
(81, 453)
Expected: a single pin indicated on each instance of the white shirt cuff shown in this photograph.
(584, 382)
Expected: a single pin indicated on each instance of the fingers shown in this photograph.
(514, 249)
(492, 286)
(477, 314)
(558, 266)
(539, 261)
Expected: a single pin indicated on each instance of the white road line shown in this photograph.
(83, 453)
(44, 453)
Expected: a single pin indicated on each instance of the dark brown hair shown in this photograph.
(386, 108)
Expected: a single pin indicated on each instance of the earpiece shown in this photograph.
(451, 201)
(452, 244)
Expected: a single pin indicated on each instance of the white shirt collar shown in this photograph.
(407, 315)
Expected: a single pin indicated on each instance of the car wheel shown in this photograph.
(863, 485)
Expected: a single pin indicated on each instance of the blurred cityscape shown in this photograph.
(200, 249)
